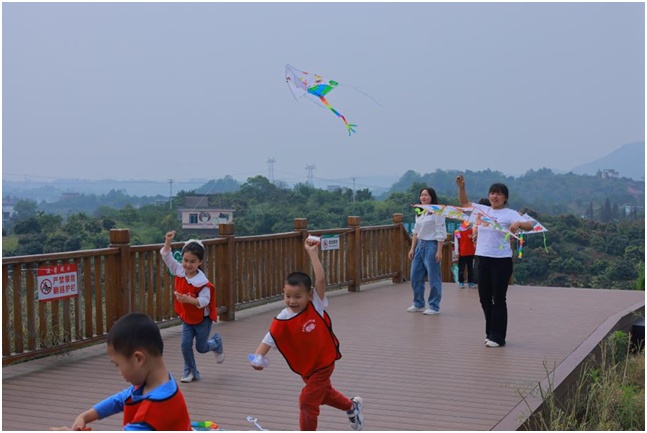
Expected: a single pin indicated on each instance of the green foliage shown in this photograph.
(542, 190)
(581, 252)
(608, 395)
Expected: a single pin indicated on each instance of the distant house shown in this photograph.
(607, 173)
(198, 215)
(8, 210)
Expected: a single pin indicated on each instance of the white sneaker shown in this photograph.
(430, 312)
(414, 309)
(355, 415)
(187, 377)
(220, 357)
(491, 343)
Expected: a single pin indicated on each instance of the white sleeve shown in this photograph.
(173, 265)
(204, 297)
(319, 304)
(269, 340)
(440, 232)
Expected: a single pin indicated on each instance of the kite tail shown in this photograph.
(350, 127)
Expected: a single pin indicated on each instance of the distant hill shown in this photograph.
(628, 161)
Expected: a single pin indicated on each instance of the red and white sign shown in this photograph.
(57, 282)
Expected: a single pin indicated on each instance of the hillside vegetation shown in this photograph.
(603, 250)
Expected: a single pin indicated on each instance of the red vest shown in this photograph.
(466, 244)
(190, 313)
(306, 341)
(168, 414)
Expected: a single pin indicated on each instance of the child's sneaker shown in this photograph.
(220, 357)
(461, 285)
(472, 285)
(355, 415)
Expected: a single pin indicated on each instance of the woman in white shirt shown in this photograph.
(494, 258)
(426, 254)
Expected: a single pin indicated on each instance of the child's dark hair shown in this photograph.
(299, 279)
(500, 188)
(432, 193)
(135, 331)
(194, 248)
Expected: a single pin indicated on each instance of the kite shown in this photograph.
(302, 83)
(472, 215)
(536, 228)
(475, 216)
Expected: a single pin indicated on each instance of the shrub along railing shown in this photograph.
(247, 271)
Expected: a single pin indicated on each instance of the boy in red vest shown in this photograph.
(302, 332)
(153, 401)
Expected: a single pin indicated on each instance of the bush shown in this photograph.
(608, 395)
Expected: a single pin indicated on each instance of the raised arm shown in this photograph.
(312, 247)
(462, 194)
(173, 265)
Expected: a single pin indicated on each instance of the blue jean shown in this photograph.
(424, 264)
(203, 344)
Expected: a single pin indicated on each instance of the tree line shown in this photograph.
(581, 250)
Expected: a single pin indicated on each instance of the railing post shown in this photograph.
(397, 240)
(355, 254)
(301, 226)
(227, 273)
(122, 297)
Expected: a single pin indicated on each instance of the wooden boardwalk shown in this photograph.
(414, 372)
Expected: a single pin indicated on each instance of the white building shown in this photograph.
(198, 215)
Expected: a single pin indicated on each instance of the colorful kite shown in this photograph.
(472, 215)
(302, 83)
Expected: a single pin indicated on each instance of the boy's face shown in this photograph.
(296, 298)
(131, 368)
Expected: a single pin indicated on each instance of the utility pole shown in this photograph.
(353, 189)
(270, 169)
(170, 194)
(310, 169)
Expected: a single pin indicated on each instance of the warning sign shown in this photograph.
(329, 242)
(57, 282)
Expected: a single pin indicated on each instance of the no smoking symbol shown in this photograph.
(46, 286)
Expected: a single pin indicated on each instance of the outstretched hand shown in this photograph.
(170, 235)
(460, 180)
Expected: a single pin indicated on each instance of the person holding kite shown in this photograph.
(494, 258)
(426, 254)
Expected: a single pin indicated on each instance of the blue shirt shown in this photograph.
(115, 403)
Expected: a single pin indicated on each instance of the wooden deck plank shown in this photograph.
(414, 372)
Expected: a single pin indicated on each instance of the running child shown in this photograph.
(154, 400)
(302, 332)
(195, 303)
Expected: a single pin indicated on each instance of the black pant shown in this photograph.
(469, 262)
(494, 275)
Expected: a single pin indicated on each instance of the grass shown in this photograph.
(608, 395)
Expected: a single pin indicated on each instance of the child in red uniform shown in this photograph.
(195, 303)
(154, 401)
(466, 251)
(302, 332)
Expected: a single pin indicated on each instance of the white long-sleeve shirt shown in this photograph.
(430, 227)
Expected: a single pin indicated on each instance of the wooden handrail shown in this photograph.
(246, 270)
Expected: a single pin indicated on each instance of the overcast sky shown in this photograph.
(169, 90)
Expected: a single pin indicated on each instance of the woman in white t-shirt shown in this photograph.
(494, 258)
(426, 254)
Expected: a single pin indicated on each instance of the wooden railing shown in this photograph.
(246, 270)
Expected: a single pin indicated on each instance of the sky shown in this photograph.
(184, 91)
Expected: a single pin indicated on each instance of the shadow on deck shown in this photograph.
(414, 372)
